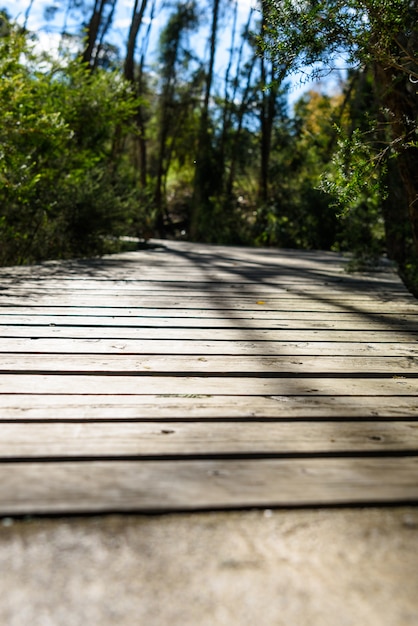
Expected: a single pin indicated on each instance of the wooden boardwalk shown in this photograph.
(190, 377)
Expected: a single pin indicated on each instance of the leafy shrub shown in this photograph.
(63, 184)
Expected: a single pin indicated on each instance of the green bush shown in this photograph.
(64, 186)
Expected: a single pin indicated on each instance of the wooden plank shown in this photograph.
(70, 321)
(221, 439)
(183, 407)
(237, 290)
(138, 385)
(35, 313)
(191, 272)
(213, 365)
(220, 347)
(141, 273)
(196, 254)
(209, 291)
(184, 254)
(249, 282)
(354, 304)
(234, 288)
(202, 334)
(144, 268)
(190, 485)
(178, 366)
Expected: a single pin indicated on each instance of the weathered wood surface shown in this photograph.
(33, 345)
(188, 377)
(260, 385)
(209, 364)
(149, 440)
(183, 407)
(97, 486)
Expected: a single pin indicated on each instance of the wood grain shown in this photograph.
(197, 334)
(296, 322)
(161, 486)
(368, 365)
(187, 377)
(192, 385)
(221, 439)
(162, 408)
(262, 348)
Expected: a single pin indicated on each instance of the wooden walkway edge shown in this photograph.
(195, 377)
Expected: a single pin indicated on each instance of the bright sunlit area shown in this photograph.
(208, 313)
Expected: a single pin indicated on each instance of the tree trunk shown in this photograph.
(137, 15)
(238, 132)
(397, 94)
(269, 87)
(395, 215)
(104, 30)
(93, 30)
(203, 173)
(243, 107)
(227, 109)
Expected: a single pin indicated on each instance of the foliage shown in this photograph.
(62, 190)
(299, 214)
(210, 155)
(316, 34)
(178, 87)
(380, 40)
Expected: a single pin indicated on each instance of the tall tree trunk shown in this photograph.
(227, 122)
(203, 179)
(140, 118)
(104, 30)
(269, 86)
(93, 30)
(395, 216)
(398, 95)
(227, 109)
(243, 107)
(267, 115)
(396, 73)
(136, 21)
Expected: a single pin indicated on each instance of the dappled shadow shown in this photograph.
(317, 280)
(250, 272)
(97, 267)
(239, 285)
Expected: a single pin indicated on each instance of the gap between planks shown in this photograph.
(309, 407)
(294, 322)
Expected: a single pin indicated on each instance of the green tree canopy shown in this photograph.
(372, 35)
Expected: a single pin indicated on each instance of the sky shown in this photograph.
(37, 23)
(49, 33)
